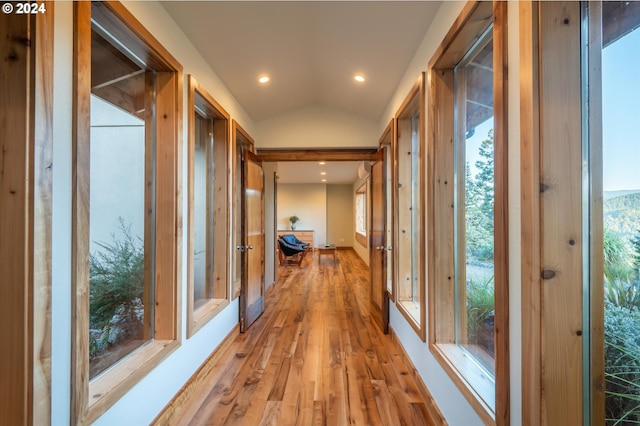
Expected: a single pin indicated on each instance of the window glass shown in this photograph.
(361, 210)
(202, 197)
(621, 211)
(474, 203)
(409, 209)
(119, 307)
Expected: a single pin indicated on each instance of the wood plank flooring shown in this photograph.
(314, 357)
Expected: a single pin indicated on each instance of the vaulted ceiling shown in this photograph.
(310, 50)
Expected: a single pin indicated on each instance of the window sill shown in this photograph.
(412, 312)
(362, 239)
(472, 380)
(111, 385)
(205, 313)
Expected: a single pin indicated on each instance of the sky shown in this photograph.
(621, 113)
(621, 116)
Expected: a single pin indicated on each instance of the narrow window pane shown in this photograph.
(409, 201)
(621, 184)
(474, 205)
(118, 310)
(203, 235)
(416, 187)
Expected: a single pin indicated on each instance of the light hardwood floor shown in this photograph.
(314, 357)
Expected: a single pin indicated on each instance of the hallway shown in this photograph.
(313, 357)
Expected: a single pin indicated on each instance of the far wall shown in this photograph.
(309, 203)
(325, 209)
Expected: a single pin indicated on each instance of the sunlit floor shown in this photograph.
(313, 357)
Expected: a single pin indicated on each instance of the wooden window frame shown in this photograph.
(360, 237)
(489, 401)
(413, 104)
(90, 399)
(217, 217)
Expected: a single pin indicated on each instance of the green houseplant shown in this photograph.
(294, 219)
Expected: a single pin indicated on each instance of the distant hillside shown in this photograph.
(622, 212)
(613, 194)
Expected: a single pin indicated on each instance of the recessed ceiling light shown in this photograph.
(323, 173)
(263, 79)
(359, 78)
(322, 163)
(324, 180)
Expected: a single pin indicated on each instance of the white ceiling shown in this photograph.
(337, 172)
(311, 50)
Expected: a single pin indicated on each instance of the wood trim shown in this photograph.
(501, 212)
(435, 415)
(42, 215)
(26, 74)
(217, 218)
(530, 212)
(165, 417)
(80, 213)
(346, 154)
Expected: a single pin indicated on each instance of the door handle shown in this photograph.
(387, 248)
(249, 247)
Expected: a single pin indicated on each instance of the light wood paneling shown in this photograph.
(26, 73)
(561, 209)
(530, 213)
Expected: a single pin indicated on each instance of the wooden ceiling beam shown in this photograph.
(341, 154)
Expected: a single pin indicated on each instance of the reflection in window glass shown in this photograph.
(409, 207)
(202, 208)
(474, 204)
(621, 184)
(119, 307)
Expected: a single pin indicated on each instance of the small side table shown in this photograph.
(326, 249)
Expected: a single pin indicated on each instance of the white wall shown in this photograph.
(160, 385)
(340, 223)
(309, 203)
(315, 127)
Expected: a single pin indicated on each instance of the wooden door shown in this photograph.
(379, 299)
(252, 249)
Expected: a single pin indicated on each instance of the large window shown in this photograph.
(468, 300)
(409, 196)
(208, 207)
(125, 205)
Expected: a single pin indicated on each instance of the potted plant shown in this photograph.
(294, 219)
